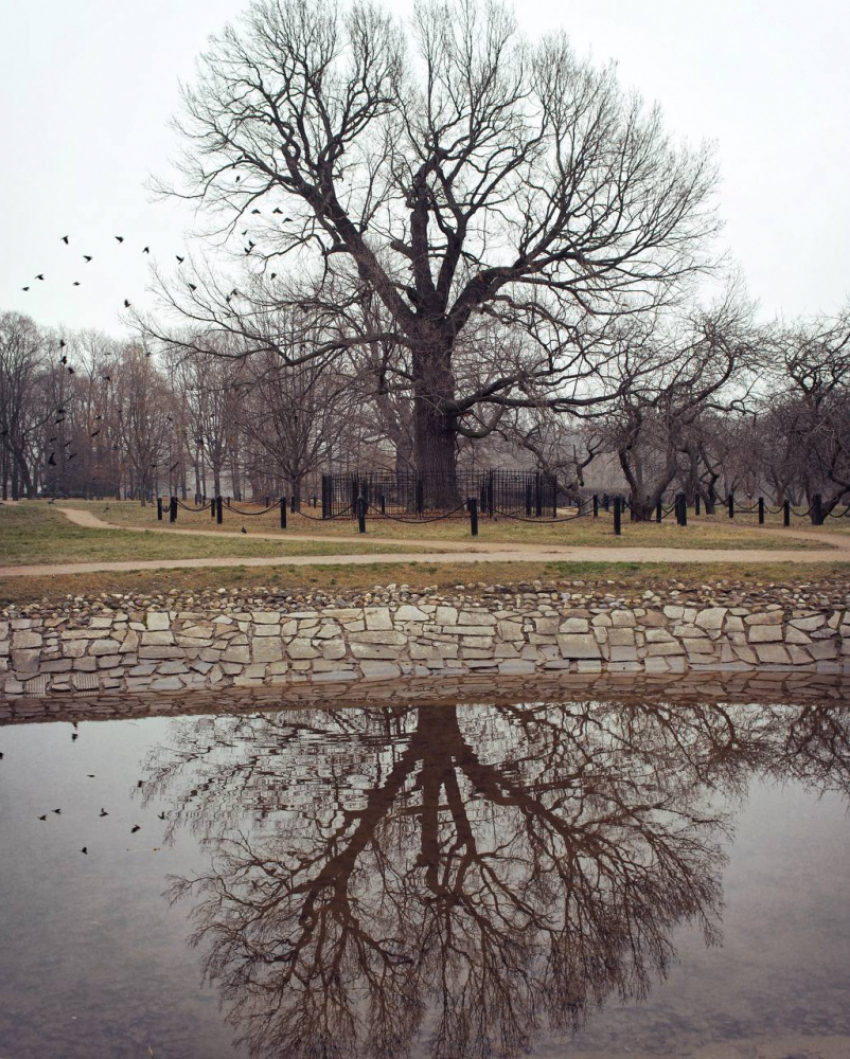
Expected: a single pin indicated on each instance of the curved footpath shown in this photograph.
(835, 548)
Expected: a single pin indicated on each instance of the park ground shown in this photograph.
(46, 555)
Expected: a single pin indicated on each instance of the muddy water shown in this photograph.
(556, 878)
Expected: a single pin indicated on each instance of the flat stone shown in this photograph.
(25, 640)
(764, 633)
(266, 617)
(378, 618)
(621, 637)
(772, 618)
(301, 649)
(516, 667)
(665, 650)
(711, 618)
(579, 645)
(391, 637)
(673, 612)
(623, 654)
(158, 620)
(239, 654)
(266, 632)
(774, 654)
(574, 625)
(379, 671)
(364, 650)
(409, 613)
(475, 617)
(161, 652)
(797, 636)
(446, 616)
(104, 647)
(623, 619)
(816, 621)
(823, 650)
(509, 630)
(266, 650)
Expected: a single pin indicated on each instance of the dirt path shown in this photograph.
(835, 547)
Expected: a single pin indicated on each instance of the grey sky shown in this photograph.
(88, 87)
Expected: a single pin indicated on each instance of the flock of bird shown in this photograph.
(61, 413)
(103, 812)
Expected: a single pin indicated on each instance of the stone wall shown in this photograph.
(107, 648)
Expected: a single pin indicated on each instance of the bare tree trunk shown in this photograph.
(435, 428)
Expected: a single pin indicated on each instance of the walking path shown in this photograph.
(834, 548)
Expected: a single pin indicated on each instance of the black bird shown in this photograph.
(74, 736)
(238, 179)
(107, 378)
(73, 456)
(135, 828)
(65, 239)
(94, 435)
(40, 276)
(96, 418)
(66, 444)
(146, 250)
(57, 811)
(192, 287)
(43, 817)
(161, 816)
(76, 283)
(251, 244)
(103, 812)
(64, 360)
(87, 258)
(51, 462)
(255, 211)
(244, 530)
(274, 275)
(277, 210)
(90, 775)
(120, 238)
(126, 304)
(85, 850)
(179, 258)
(24, 288)
(70, 371)
(60, 411)
(62, 343)
(140, 783)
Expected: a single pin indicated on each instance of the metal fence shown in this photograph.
(405, 495)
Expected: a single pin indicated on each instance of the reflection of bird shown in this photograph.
(176, 465)
(63, 360)
(94, 434)
(57, 811)
(161, 816)
(62, 343)
(73, 456)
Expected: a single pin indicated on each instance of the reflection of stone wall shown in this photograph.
(103, 650)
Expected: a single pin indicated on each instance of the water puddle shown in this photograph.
(597, 879)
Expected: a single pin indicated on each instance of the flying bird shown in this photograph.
(135, 828)
(57, 811)
(85, 850)
(192, 287)
(277, 210)
(87, 258)
(146, 250)
(51, 462)
(180, 259)
(63, 360)
(43, 817)
(40, 276)
(119, 238)
(74, 736)
(255, 211)
(61, 343)
(103, 812)
(70, 371)
(76, 283)
(24, 288)
(126, 304)
(65, 239)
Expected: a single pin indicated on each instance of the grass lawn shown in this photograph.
(39, 533)
(714, 532)
(306, 579)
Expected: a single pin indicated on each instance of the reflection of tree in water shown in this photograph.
(463, 875)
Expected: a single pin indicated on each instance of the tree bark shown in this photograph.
(435, 428)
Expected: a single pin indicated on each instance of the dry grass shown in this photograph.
(716, 532)
(306, 579)
(39, 533)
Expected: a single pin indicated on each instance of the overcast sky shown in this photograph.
(88, 88)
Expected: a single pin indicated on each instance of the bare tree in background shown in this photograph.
(470, 184)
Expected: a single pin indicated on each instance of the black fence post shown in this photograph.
(555, 497)
(817, 504)
(606, 501)
(159, 509)
(172, 510)
(683, 510)
(731, 505)
(786, 512)
(617, 517)
(697, 504)
(283, 512)
(472, 505)
(528, 499)
(361, 514)
(420, 497)
(219, 510)
(761, 510)
(538, 496)
(383, 504)
(595, 505)
(659, 511)
(212, 508)
(326, 487)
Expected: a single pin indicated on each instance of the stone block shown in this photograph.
(578, 645)
(823, 650)
(510, 631)
(26, 639)
(264, 649)
(301, 649)
(572, 625)
(773, 617)
(711, 618)
(623, 619)
(267, 632)
(379, 671)
(158, 620)
(516, 667)
(764, 633)
(378, 618)
(104, 647)
(390, 637)
(364, 650)
(161, 653)
(621, 637)
(772, 653)
(333, 649)
(239, 654)
(409, 613)
(664, 650)
(623, 654)
(265, 617)
(816, 621)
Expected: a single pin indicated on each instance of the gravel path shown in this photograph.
(835, 547)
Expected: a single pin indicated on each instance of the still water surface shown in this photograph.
(580, 879)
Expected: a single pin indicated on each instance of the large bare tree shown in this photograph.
(474, 189)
